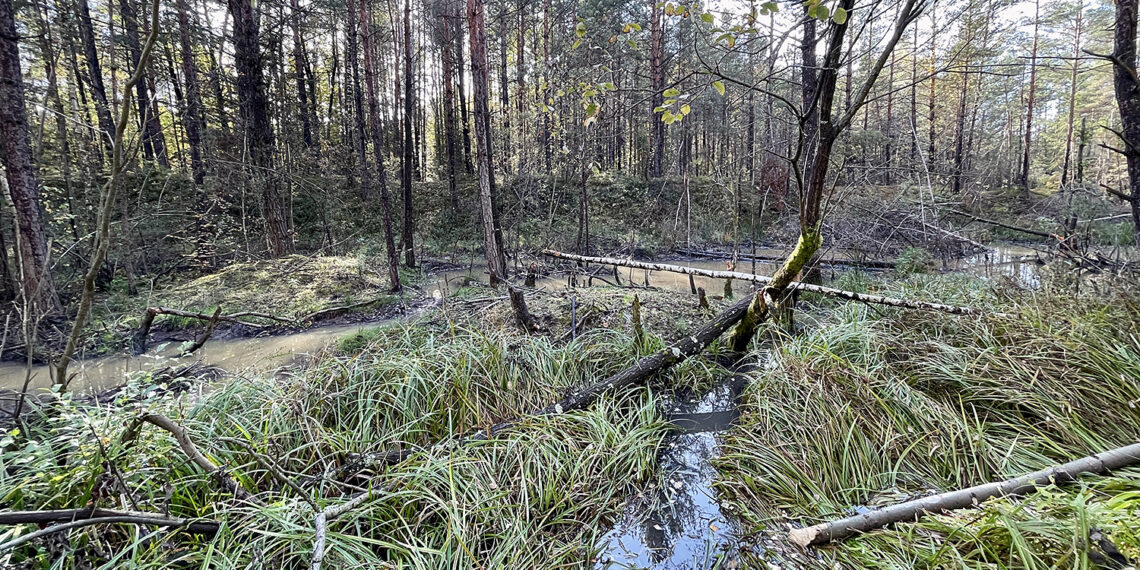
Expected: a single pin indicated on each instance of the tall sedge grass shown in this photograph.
(536, 497)
(874, 407)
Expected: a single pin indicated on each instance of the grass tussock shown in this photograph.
(536, 497)
(875, 407)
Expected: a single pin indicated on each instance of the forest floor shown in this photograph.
(864, 407)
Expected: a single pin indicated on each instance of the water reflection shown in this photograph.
(678, 522)
(234, 355)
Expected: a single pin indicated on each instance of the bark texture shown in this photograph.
(911, 511)
(20, 174)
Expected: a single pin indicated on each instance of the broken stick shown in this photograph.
(911, 511)
(75, 518)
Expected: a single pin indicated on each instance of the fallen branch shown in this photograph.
(75, 518)
(331, 311)
(205, 334)
(1045, 235)
(829, 291)
(140, 338)
(973, 496)
(951, 234)
(183, 438)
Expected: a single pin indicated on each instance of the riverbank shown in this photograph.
(995, 395)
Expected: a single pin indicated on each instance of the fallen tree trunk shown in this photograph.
(647, 366)
(870, 263)
(829, 291)
(913, 510)
(74, 518)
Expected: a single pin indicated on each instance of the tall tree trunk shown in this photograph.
(258, 132)
(204, 251)
(1127, 88)
(546, 77)
(50, 57)
(504, 95)
(409, 225)
(933, 65)
(1072, 95)
(20, 175)
(449, 110)
(960, 131)
(355, 92)
(809, 84)
(464, 116)
(1023, 179)
(378, 146)
(492, 234)
(95, 76)
(152, 146)
(192, 114)
(520, 88)
(657, 77)
(299, 76)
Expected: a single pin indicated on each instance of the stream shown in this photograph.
(676, 521)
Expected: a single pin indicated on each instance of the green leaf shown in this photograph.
(580, 29)
(632, 43)
(822, 12)
(840, 16)
(719, 86)
(667, 117)
(576, 43)
(685, 109)
(707, 18)
(635, 26)
(672, 92)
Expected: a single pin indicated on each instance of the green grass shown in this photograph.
(872, 407)
(536, 497)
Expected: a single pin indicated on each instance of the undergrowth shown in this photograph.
(537, 496)
(875, 406)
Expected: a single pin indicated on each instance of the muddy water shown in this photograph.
(600, 275)
(261, 354)
(1017, 262)
(678, 522)
(238, 355)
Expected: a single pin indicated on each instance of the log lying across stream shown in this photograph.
(829, 291)
(911, 511)
(741, 256)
